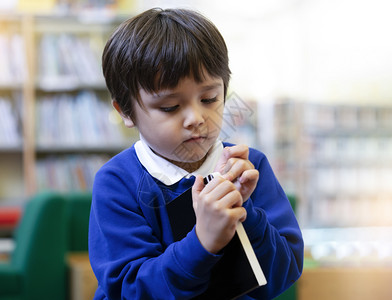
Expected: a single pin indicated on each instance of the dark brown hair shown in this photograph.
(157, 48)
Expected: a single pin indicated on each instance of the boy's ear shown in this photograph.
(127, 120)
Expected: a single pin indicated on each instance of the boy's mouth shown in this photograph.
(196, 139)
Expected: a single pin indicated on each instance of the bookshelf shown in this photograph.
(338, 159)
(57, 126)
(12, 78)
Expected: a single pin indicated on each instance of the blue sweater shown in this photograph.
(131, 247)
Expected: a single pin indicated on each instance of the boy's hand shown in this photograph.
(218, 209)
(235, 166)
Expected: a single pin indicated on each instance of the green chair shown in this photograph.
(37, 267)
(289, 294)
(78, 215)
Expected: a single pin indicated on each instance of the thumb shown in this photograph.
(196, 189)
(198, 185)
(220, 166)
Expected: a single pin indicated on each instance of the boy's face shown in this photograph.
(181, 124)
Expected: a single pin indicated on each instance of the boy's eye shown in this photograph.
(169, 108)
(211, 100)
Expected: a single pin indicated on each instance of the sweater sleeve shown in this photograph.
(273, 231)
(127, 255)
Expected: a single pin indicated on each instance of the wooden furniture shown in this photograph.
(340, 283)
(82, 281)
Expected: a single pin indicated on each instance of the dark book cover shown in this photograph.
(238, 271)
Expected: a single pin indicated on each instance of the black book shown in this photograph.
(238, 271)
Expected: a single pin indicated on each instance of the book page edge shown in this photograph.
(250, 254)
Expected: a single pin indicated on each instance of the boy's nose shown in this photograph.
(193, 117)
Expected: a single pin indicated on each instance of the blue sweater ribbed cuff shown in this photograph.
(193, 258)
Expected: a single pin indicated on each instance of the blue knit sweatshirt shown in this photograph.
(131, 247)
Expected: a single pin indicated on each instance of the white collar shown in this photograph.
(169, 173)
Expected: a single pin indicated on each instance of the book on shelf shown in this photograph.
(70, 61)
(68, 172)
(238, 271)
(83, 120)
(12, 60)
(9, 133)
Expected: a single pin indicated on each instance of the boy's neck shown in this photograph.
(187, 166)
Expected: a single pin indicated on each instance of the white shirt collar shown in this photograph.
(169, 173)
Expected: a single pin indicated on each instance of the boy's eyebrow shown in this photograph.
(164, 94)
(169, 93)
(212, 86)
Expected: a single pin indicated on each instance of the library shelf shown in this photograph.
(58, 59)
(337, 158)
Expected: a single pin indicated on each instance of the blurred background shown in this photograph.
(311, 87)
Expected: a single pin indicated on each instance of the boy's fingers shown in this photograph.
(213, 184)
(243, 216)
(239, 213)
(235, 167)
(239, 151)
(224, 191)
(230, 153)
(249, 175)
(231, 200)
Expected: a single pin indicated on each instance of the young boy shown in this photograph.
(167, 72)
